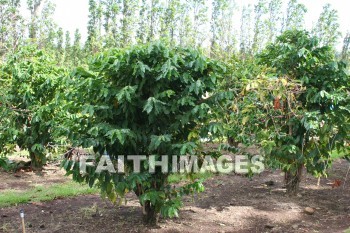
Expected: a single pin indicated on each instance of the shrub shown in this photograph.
(146, 100)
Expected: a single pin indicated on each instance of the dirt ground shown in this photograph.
(231, 203)
(52, 174)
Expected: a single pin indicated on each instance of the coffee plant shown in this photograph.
(146, 100)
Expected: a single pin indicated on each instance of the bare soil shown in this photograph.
(231, 203)
(22, 180)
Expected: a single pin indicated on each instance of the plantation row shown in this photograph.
(292, 101)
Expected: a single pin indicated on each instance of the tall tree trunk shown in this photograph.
(126, 23)
(35, 11)
(150, 215)
(151, 29)
(292, 180)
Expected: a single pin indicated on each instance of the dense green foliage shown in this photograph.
(325, 98)
(297, 111)
(276, 87)
(31, 81)
(147, 100)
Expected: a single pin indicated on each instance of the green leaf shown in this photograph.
(157, 140)
(126, 94)
(152, 104)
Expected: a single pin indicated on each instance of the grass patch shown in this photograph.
(44, 193)
(177, 178)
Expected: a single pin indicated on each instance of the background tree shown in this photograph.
(260, 25)
(154, 19)
(59, 46)
(346, 47)
(295, 16)
(128, 21)
(93, 43)
(11, 26)
(246, 35)
(200, 21)
(143, 29)
(185, 25)
(35, 7)
(170, 20)
(77, 52)
(210, 25)
(221, 27)
(111, 10)
(275, 19)
(46, 26)
(67, 48)
(327, 27)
